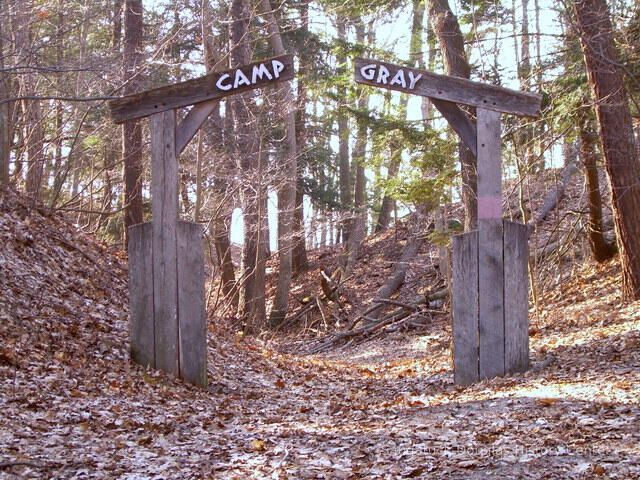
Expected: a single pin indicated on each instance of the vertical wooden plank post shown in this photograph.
(168, 328)
(489, 274)
(490, 246)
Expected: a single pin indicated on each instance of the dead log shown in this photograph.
(552, 200)
(395, 281)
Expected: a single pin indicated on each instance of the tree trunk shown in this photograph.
(300, 260)
(600, 249)
(343, 139)
(388, 203)
(616, 133)
(416, 50)
(6, 129)
(59, 134)
(132, 129)
(31, 109)
(446, 27)
(359, 224)
(116, 24)
(251, 308)
(287, 185)
(220, 226)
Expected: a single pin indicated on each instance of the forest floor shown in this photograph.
(73, 406)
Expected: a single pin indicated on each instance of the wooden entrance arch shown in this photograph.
(490, 265)
(166, 263)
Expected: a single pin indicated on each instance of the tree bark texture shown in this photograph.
(132, 130)
(600, 249)
(300, 260)
(359, 224)
(343, 140)
(31, 109)
(616, 133)
(251, 308)
(388, 202)
(287, 183)
(220, 226)
(446, 27)
(6, 128)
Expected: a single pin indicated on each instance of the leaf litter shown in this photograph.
(72, 405)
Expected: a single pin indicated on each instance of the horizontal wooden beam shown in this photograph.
(212, 86)
(445, 87)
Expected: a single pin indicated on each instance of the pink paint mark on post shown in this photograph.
(489, 207)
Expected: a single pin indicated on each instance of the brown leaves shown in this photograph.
(385, 409)
(258, 445)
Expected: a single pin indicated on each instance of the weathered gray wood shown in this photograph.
(192, 123)
(516, 297)
(200, 89)
(491, 297)
(460, 122)
(141, 324)
(489, 164)
(452, 89)
(490, 245)
(465, 308)
(164, 207)
(191, 307)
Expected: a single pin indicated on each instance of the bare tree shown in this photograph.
(446, 27)
(600, 249)
(116, 24)
(300, 260)
(223, 167)
(249, 158)
(343, 135)
(616, 133)
(31, 109)
(132, 129)
(359, 224)
(6, 130)
(287, 184)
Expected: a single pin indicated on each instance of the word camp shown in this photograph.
(237, 79)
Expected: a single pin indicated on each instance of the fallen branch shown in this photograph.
(362, 331)
(397, 277)
(405, 315)
(552, 200)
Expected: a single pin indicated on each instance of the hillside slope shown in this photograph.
(72, 406)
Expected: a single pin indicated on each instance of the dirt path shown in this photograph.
(73, 407)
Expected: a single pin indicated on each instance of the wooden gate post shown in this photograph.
(489, 275)
(164, 221)
(141, 319)
(490, 281)
(168, 325)
(490, 245)
(464, 308)
(166, 272)
(516, 297)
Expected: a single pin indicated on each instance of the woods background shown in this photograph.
(322, 161)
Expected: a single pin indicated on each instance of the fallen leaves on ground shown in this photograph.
(73, 406)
